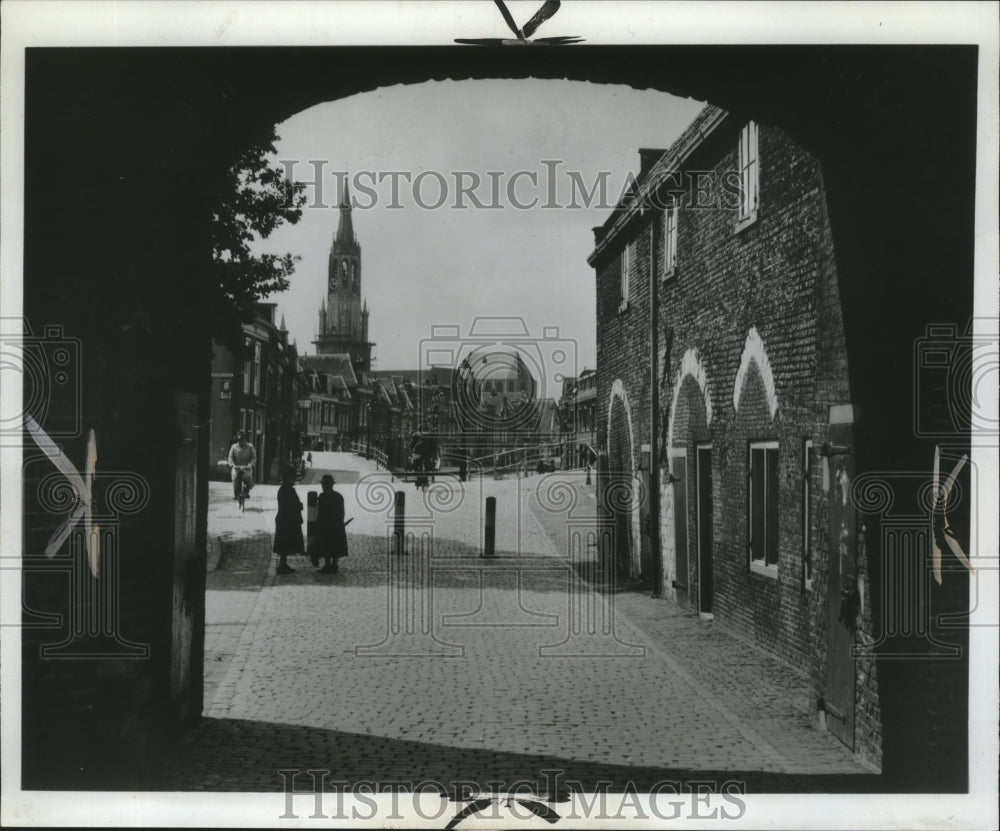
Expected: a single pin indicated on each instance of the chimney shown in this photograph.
(647, 158)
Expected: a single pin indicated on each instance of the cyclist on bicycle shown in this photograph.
(241, 454)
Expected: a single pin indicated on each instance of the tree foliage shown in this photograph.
(255, 199)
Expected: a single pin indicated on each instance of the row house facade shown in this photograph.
(728, 230)
(578, 413)
(431, 409)
(371, 413)
(479, 417)
(388, 418)
(256, 392)
(329, 409)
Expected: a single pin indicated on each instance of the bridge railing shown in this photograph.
(361, 448)
(516, 458)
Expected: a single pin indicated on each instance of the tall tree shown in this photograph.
(255, 199)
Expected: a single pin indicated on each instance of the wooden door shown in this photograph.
(679, 470)
(703, 476)
(839, 688)
(646, 548)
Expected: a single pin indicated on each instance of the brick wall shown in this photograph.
(759, 306)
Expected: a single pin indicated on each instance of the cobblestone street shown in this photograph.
(442, 665)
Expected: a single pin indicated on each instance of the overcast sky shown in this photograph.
(422, 266)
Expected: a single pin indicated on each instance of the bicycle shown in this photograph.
(241, 478)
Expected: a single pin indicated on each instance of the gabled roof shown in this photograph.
(502, 403)
(549, 421)
(439, 375)
(340, 386)
(338, 364)
(383, 391)
(404, 397)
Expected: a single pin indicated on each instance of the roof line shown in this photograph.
(697, 131)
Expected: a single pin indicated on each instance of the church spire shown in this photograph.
(345, 238)
(343, 319)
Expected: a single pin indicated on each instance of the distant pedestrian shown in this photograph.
(330, 526)
(309, 459)
(288, 522)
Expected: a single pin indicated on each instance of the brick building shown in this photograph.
(756, 529)
(332, 390)
(578, 412)
(256, 392)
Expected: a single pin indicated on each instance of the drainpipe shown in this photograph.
(654, 415)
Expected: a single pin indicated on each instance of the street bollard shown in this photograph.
(399, 529)
(312, 504)
(491, 526)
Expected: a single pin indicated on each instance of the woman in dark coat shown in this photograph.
(330, 526)
(288, 522)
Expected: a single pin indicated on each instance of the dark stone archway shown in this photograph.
(124, 151)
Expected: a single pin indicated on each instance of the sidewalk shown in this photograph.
(755, 688)
(445, 665)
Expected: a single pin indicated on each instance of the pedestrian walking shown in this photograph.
(309, 459)
(288, 522)
(330, 526)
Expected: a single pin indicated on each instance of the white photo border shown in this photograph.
(26, 24)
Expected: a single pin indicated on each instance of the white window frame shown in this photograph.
(808, 566)
(761, 566)
(748, 163)
(626, 275)
(669, 241)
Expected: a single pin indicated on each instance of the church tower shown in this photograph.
(343, 318)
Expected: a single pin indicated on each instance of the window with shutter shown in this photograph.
(762, 507)
(669, 240)
(756, 500)
(749, 166)
(626, 265)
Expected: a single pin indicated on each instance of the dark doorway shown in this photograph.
(679, 470)
(703, 475)
(839, 689)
